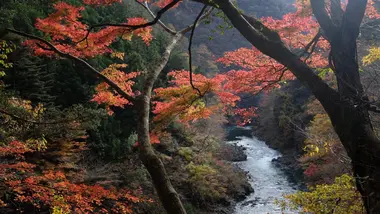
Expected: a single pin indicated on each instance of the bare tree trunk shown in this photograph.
(166, 192)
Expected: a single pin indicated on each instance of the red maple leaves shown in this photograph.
(53, 190)
(72, 36)
(255, 71)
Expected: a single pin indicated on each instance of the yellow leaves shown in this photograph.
(60, 206)
(118, 55)
(321, 134)
(183, 102)
(127, 36)
(36, 111)
(311, 150)
(341, 197)
(374, 55)
(5, 50)
(39, 144)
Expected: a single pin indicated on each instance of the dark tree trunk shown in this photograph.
(347, 107)
(363, 147)
(352, 123)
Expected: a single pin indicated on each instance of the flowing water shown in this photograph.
(268, 181)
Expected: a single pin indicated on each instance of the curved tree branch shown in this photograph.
(267, 43)
(166, 28)
(76, 59)
(189, 49)
(133, 27)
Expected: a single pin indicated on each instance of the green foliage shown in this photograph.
(190, 209)
(324, 71)
(111, 140)
(206, 181)
(22, 14)
(186, 152)
(61, 84)
(32, 79)
(341, 197)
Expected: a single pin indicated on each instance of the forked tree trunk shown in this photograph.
(347, 107)
(352, 123)
(165, 190)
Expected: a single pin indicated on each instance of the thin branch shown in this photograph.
(146, 7)
(270, 83)
(311, 45)
(133, 27)
(189, 49)
(81, 61)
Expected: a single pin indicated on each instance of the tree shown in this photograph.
(339, 197)
(348, 106)
(72, 39)
(282, 58)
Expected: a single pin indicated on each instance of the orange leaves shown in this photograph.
(182, 102)
(52, 190)
(154, 137)
(295, 30)
(144, 33)
(104, 94)
(15, 149)
(71, 36)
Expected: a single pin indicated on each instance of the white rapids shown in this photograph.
(268, 181)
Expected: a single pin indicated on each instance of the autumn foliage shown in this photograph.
(74, 37)
(252, 72)
(52, 190)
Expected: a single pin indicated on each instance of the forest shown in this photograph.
(190, 106)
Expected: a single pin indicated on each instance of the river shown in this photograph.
(268, 181)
